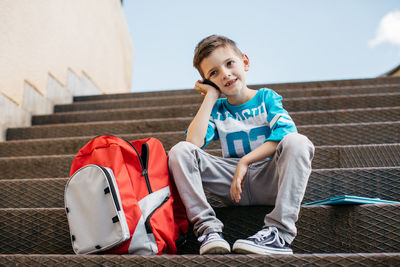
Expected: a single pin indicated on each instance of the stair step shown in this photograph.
(325, 157)
(352, 133)
(100, 128)
(300, 118)
(384, 155)
(316, 91)
(339, 259)
(339, 229)
(321, 134)
(321, 229)
(173, 92)
(290, 104)
(37, 147)
(337, 83)
(32, 193)
(380, 182)
(155, 112)
(338, 134)
(316, 85)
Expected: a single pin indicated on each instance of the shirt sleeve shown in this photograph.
(279, 120)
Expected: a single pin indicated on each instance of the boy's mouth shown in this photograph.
(230, 82)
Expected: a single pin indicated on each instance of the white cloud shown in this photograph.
(388, 30)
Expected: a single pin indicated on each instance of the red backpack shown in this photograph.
(120, 199)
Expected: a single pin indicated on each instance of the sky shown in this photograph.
(286, 41)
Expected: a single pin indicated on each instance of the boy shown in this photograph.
(266, 162)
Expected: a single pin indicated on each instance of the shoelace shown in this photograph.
(208, 237)
(260, 236)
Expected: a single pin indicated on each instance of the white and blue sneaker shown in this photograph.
(213, 243)
(265, 241)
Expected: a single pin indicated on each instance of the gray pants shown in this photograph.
(280, 181)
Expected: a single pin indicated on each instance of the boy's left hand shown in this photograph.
(238, 181)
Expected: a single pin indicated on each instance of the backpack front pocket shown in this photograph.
(95, 215)
(143, 241)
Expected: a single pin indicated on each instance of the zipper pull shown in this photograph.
(144, 173)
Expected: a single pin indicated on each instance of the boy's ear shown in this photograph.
(246, 62)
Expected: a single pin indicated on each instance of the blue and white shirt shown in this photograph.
(243, 128)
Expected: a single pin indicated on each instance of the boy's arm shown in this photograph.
(198, 127)
(260, 153)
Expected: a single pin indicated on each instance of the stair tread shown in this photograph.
(365, 83)
(326, 156)
(355, 229)
(382, 182)
(387, 130)
(299, 117)
(318, 259)
(288, 93)
(297, 103)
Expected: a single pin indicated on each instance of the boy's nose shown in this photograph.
(226, 73)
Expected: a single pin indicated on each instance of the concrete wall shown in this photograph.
(396, 73)
(42, 36)
(51, 50)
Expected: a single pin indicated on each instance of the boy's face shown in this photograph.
(226, 69)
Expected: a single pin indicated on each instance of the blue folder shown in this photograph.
(348, 200)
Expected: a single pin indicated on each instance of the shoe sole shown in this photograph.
(215, 247)
(246, 247)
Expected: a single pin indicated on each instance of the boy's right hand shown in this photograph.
(205, 89)
(238, 180)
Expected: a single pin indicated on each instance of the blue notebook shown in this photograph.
(348, 200)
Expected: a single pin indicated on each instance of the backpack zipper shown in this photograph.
(112, 188)
(147, 222)
(144, 172)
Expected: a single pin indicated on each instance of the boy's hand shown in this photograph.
(238, 181)
(205, 89)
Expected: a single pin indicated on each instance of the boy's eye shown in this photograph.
(212, 73)
(229, 63)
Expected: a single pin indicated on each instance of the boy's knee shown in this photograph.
(180, 149)
(298, 145)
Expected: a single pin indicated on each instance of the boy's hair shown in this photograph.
(206, 46)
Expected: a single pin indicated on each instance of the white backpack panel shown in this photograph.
(95, 215)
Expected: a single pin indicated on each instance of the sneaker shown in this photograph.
(265, 241)
(213, 243)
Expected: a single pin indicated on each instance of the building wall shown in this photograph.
(396, 73)
(43, 37)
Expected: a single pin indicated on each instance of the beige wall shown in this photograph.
(49, 36)
(396, 73)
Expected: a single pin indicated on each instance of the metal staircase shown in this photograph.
(354, 124)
